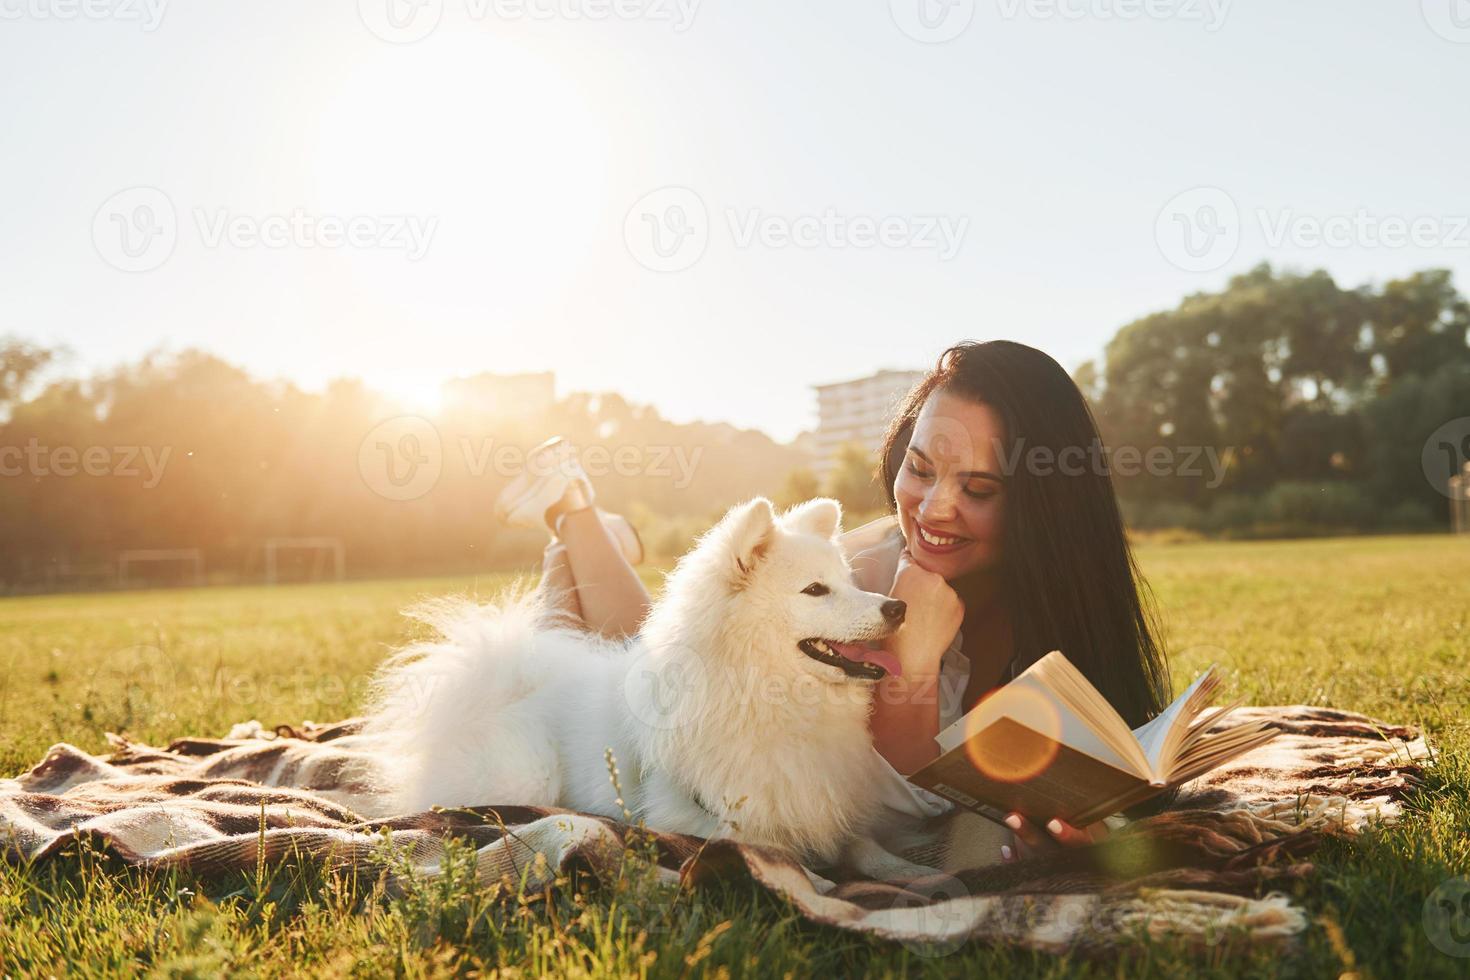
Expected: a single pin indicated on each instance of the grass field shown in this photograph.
(1380, 625)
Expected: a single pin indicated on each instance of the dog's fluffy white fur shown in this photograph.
(718, 722)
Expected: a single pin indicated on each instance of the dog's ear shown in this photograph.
(749, 530)
(822, 517)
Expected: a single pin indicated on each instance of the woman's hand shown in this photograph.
(905, 715)
(934, 615)
(1029, 839)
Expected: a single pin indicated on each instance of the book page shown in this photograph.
(1246, 738)
(1216, 747)
(1073, 688)
(1153, 735)
(1030, 702)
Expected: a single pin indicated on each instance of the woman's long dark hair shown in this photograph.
(1067, 575)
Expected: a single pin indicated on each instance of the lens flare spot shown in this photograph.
(1022, 744)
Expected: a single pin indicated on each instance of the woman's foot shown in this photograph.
(552, 485)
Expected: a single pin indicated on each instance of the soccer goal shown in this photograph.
(319, 554)
(191, 559)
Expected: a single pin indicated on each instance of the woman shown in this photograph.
(1006, 543)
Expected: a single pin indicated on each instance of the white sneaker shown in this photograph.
(552, 484)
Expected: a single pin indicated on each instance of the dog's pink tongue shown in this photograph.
(869, 655)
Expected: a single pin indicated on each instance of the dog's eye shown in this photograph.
(816, 588)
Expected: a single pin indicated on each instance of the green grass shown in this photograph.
(1380, 625)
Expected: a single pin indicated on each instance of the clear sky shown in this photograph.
(1012, 181)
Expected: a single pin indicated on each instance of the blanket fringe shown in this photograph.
(1405, 752)
(1064, 923)
(1335, 815)
(1206, 918)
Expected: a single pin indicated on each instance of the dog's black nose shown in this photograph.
(894, 609)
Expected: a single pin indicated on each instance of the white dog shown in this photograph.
(741, 709)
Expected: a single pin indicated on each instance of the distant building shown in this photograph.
(858, 411)
(502, 395)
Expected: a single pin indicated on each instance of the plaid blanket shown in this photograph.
(1205, 867)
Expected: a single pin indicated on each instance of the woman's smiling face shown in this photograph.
(949, 490)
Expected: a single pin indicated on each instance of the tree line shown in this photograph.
(1330, 409)
(1282, 404)
(186, 451)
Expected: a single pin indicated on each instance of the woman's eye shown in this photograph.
(816, 588)
(914, 469)
(980, 494)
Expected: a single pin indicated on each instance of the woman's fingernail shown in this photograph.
(1013, 821)
(1055, 826)
(1005, 852)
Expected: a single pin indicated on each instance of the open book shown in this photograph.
(1049, 745)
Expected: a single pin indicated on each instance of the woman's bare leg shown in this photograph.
(557, 584)
(611, 596)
